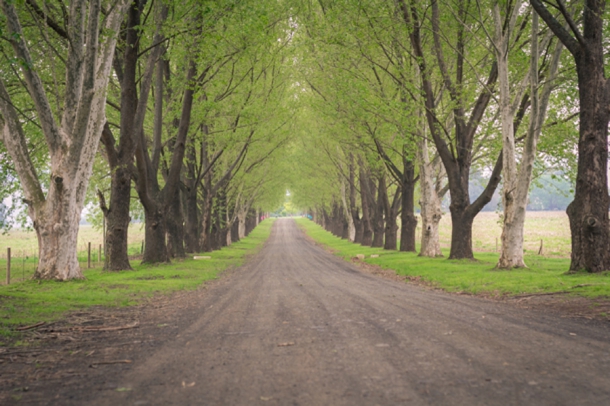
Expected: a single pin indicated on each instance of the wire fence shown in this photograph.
(20, 265)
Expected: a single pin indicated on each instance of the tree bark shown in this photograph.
(588, 212)
(430, 204)
(516, 196)
(175, 227)
(121, 159)
(391, 214)
(408, 221)
(378, 221)
(367, 228)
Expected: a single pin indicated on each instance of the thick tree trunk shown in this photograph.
(72, 140)
(588, 213)
(155, 248)
(235, 231)
(56, 224)
(117, 221)
(461, 233)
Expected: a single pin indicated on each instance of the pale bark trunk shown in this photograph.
(351, 228)
(512, 235)
(431, 212)
(517, 181)
(72, 141)
(241, 218)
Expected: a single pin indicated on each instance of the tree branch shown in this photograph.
(564, 36)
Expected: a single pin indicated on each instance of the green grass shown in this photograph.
(24, 249)
(32, 301)
(544, 274)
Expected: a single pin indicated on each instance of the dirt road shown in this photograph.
(298, 326)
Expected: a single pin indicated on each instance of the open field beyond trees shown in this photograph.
(550, 227)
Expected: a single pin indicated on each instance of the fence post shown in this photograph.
(99, 253)
(8, 266)
(89, 255)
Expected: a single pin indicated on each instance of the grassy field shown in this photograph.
(24, 249)
(544, 275)
(31, 301)
(552, 227)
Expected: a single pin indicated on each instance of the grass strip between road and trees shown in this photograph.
(32, 301)
(543, 275)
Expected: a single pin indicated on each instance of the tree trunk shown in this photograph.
(350, 232)
(408, 221)
(378, 223)
(241, 221)
(175, 227)
(72, 140)
(155, 248)
(117, 220)
(191, 242)
(355, 214)
(430, 204)
(367, 228)
(588, 213)
(461, 233)
(511, 255)
(56, 224)
(456, 156)
(391, 213)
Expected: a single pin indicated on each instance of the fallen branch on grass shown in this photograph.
(24, 328)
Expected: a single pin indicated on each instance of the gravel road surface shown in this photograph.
(298, 326)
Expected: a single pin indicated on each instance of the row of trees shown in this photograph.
(174, 109)
(199, 113)
(427, 91)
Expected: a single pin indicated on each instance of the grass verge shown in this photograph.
(544, 275)
(32, 301)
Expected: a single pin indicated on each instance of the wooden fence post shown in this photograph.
(89, 255)
(8, 266)
(99, 253)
